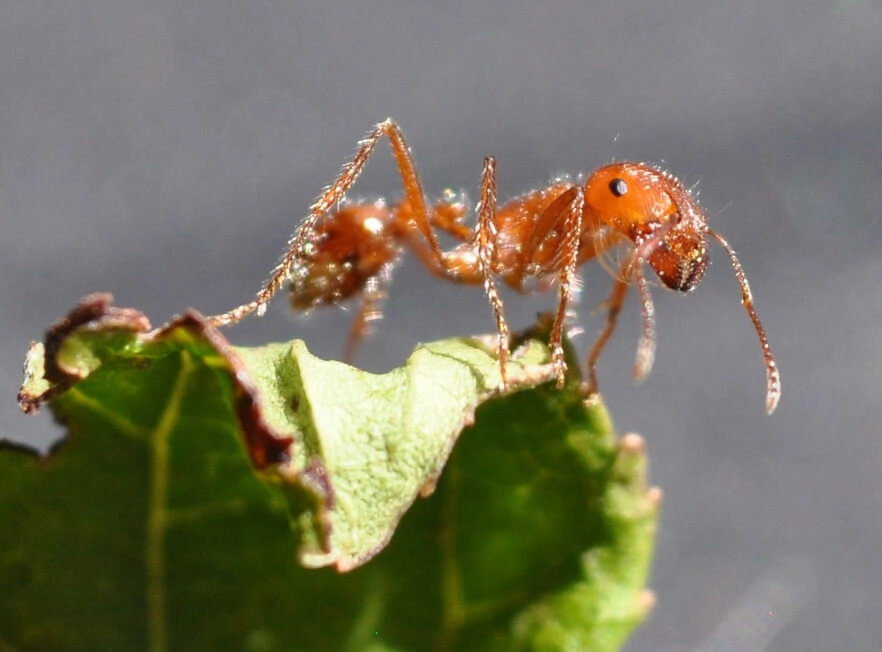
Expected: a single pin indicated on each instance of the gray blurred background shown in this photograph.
(164, 152)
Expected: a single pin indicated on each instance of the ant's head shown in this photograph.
(680, 257)
(656, 212)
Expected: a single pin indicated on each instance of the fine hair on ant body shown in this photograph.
(344, 250)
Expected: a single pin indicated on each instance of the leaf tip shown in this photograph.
(35, 385)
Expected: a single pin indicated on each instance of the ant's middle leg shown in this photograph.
(485, 244)
(553, 243)
(567, 281)
(329, 201)
(460, 264)
(447, 215)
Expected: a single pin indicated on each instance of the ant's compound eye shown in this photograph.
(618, 187)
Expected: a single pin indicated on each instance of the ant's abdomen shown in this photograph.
(346, 250)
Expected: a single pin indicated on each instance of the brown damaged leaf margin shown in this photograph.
(95, 313)
(307, 484)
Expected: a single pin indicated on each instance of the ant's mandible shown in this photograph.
(347, 249)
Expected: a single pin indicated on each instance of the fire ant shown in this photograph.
(347, 249)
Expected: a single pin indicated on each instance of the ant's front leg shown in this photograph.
(614, 307)
(646, 347)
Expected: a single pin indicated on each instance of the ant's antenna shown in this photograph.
(773, 376)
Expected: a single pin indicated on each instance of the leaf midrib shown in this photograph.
(157, 513)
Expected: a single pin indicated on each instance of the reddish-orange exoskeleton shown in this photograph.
(344, 249)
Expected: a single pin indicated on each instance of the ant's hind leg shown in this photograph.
(237, 314)
(329, 200)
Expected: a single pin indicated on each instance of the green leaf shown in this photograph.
(200, 487)
(370, 444)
